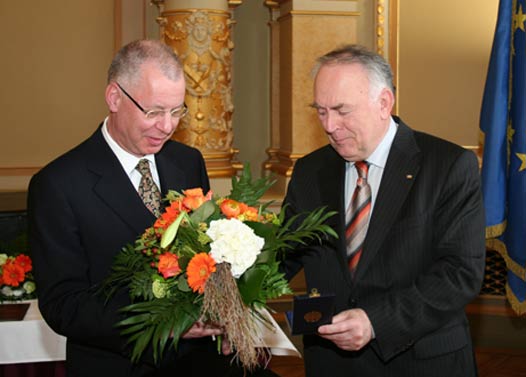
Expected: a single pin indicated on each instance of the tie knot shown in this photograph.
(143, 166)
(362, 168)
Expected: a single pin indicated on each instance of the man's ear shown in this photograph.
(113, 97)
(386, 100)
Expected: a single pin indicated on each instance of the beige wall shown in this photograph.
(443, 58)
(54, 59)
(251, 75)
(56, 54)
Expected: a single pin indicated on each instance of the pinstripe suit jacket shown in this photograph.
(422, 261)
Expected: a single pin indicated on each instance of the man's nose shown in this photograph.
(330, 123)
(168, 123)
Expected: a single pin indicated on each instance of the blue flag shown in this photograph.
(503, 126)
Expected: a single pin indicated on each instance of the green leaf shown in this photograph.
(171, 232)
(134, 320)
(264, 230)
(204, 211)
(182, 284)
(250, 283)
(266, 257)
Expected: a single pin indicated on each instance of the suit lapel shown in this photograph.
(171, 176)
(400, 172)
(114, 187)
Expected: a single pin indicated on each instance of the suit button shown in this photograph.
(352, 303)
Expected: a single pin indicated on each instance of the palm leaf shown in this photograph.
(247, 191)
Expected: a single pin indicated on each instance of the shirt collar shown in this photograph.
(380, 154)
(128, 161)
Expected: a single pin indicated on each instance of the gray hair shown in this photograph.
(379, 71)
(126, 65)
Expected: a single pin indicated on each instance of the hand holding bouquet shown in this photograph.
(211, 260)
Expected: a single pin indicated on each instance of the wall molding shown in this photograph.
(19, 171)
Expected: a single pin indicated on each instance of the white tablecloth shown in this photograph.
(30, 340)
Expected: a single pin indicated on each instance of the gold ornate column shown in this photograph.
(199, 31)
(386, 25)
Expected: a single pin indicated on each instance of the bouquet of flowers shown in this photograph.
(16, 279)
(209, 259)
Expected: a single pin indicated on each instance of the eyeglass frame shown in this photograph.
(151, 114)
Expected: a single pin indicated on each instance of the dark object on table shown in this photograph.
(13, 312)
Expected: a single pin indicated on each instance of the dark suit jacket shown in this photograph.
(82, 210)
(422, 261)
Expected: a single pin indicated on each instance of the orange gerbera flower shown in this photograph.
(24, 261)
(168, 265)
(169, 215)
(200, 267)
(13, 274)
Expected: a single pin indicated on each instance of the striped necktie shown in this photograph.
(148, 190)
(357, 216)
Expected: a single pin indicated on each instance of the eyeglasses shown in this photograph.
(175, 113)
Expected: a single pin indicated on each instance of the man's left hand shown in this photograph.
(350, 330)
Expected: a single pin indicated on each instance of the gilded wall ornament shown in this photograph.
(202, 40)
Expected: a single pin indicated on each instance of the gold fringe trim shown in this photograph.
(518, 307)
(500, 247)
(495, 231)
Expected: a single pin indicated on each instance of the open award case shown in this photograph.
(310, 312)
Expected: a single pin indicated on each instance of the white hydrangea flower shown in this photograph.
(235, 243)
(7, 291)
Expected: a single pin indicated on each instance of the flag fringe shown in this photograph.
(495, 231)
(500, 247)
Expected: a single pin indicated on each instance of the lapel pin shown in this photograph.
(409, 176)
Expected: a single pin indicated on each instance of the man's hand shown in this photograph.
(350, 330)
(200, 329)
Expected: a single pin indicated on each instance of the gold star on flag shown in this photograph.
(518, 19)
(522, 157)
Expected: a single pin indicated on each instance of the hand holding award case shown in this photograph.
(310, 312)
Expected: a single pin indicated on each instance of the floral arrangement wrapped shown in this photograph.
(209, 259)
(16, 278)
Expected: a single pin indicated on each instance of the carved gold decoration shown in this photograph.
(393, 31)
(380, 25)
(202, 40)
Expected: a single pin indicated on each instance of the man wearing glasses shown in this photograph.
(86, 205)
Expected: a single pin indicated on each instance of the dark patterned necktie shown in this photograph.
(357, 216)
(148, 190)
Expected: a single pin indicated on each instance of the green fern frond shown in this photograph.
(126, 263)
(155, 322)
(301, 229)
(247, 191)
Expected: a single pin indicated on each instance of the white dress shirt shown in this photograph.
(128, 161)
